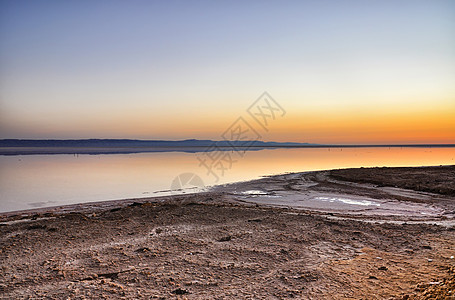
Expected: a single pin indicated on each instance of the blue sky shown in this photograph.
(178, 69)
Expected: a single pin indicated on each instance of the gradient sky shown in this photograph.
(344, 71)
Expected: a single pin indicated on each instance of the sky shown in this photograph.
(345, 72)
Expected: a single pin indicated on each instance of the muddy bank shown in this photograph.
(226, 245)
(439, 180)
(376, 193)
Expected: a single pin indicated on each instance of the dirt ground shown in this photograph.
(213, 246)
(440, 180)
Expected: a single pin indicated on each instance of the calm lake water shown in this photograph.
(32, 181)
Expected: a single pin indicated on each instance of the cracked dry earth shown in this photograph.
(208, 246)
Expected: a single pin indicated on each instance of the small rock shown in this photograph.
(180, 291)
(255, 220)
(284, 251)
(143, 249)
(225, 238)
(383, 268)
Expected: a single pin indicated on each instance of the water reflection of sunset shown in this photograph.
(65, 179)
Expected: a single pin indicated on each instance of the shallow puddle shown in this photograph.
(254, 192)
(331, 202)
(348, 201)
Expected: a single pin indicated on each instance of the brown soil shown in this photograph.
(440, 180)
(209, 246)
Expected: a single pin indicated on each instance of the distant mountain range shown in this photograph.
(139, 143)
(117, 146)
(113, 146)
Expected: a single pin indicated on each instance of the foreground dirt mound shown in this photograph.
(205, 250)
(207, 246)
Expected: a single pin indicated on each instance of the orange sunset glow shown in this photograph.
(353, 75)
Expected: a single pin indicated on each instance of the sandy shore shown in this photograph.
(373, 233)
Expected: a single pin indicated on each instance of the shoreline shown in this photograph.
(211, 191)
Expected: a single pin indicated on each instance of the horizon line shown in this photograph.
(297, 144)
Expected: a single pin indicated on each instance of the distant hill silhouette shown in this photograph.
(138, 143)
(125, 146)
